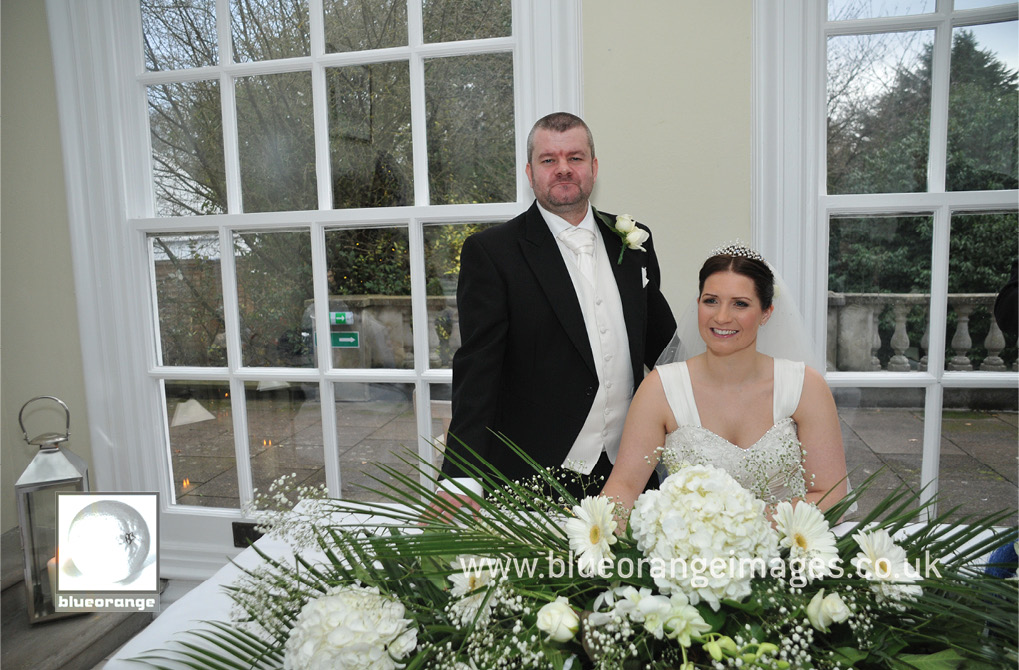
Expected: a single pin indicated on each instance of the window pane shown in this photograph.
(374, 424)
(449, 20)
(276, 139)
(273, 288)
(186, 127)
(369, 298)
(179, 34)
(189, 299)
(471, 155)
(284, 433)
(203, 462)
(369, 135)
(978, 452)
(844, 10)
(879, 271)
(983, 248)
(879, 89)
(974, 4)
(983, 140)
(369, 24)
(442, 269)
(882, 433)
(269, 30)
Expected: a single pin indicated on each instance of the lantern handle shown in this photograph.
(46, 439)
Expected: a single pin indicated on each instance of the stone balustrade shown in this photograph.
(854, 338)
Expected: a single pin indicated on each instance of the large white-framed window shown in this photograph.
(885, 189)
(267, 202)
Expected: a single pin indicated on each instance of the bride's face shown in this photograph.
(729, 312)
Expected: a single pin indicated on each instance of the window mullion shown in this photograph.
(320, 107)
(320, 328)
(940, 77)
(418, 120)
(938, 313)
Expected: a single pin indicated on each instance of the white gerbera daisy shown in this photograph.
(884, 563)
(470, 585)
(804, 531)
(591, 534)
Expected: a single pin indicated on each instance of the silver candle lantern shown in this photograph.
(54, 468)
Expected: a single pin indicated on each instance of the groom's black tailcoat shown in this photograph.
(525, 366)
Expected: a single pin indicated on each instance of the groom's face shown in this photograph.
(562, 171)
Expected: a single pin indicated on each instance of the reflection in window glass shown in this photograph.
(879, 271)
(276, 142)
(369, 298)
(983, 140)
(369, 24)
(370, 136)
(273, 287)
(179, 34)
(442, 269)
(374, 425)
(983, 248)
(442, 414)
(203, 463)
(269, 30)
(284, 433)
(189, 299)
(188, 168)
(449, 20)
(471, 153)
(882, 433)
(845, 10)
(978, 453)
(878, 108)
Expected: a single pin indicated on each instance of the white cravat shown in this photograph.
(581, 242)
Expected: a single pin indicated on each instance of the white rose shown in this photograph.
(824, 610)
(636, 237)
(558, 620)
(625, 223)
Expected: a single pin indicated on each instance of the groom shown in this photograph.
(555, 330)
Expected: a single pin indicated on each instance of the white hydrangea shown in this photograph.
(703, 535)
(350, 628)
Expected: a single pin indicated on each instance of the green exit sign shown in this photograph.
(348, 340)
(341, 318)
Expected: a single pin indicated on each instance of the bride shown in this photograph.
(770, 422)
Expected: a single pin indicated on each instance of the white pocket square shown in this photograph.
(643, 277)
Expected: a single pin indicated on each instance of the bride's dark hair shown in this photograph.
(757, 271)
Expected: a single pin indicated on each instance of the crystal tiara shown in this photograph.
(737, 248)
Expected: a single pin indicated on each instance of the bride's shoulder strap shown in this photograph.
(679, 392)
(788, 387)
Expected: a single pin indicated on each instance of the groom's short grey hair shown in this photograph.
(558, 122)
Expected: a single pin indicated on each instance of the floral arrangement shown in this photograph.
(700, 578)
(633, 237)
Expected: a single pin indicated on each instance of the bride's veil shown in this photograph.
(783, 336)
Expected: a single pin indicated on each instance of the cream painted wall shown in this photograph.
(667, 96)
(39, 346)
(666, 91)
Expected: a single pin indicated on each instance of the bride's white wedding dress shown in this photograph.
(771, 468)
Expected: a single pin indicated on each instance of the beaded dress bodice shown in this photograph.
(771, 468)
